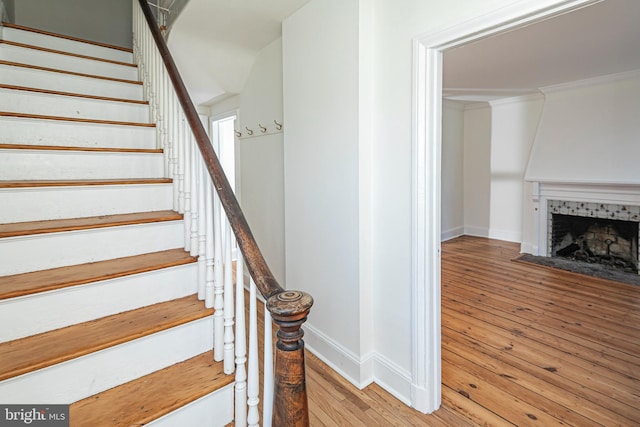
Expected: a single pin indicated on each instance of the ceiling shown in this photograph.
(597, 40)
(215, 42)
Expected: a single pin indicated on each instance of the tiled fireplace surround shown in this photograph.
(611, 201)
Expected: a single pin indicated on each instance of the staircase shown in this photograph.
(98, 301)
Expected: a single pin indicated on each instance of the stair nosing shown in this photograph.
(61, 52)
(72, 73)
(84, 348)
(79, 148)
(179, 257)
(74, 119)
(65, 225)
(71, 94)
(83, 183)
(66, 37)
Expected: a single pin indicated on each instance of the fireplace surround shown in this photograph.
(599, 221)
(595, 233)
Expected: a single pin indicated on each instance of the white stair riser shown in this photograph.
(61, 82)
(60, 133)
(66, 62)
(50, 250)
(212, 410)
(44, 203)
(61, 164)
(18, 101)
(57, 43)
(85, 376)
(77, 304)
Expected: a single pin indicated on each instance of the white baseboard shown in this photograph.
(392, 378)
(506, 235)
(360, 371)
(476, 231)
(529, 248)
(452, 233)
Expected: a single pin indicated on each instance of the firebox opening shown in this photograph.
(613, 243)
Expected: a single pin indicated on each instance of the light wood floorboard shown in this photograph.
(521, 345)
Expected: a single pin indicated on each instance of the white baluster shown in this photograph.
(195, 208)
(187, 188)
(180, 158)
(202, 231)
(175, 127)
(241, 347)
(267, 373)
(218, 283)
(253, 380)
(210, 246)
(228, 301)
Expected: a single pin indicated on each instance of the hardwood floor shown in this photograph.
(521, 345)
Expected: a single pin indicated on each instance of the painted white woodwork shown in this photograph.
(202, 232)
(77, 304)
(218, 281)
(63, 82)
(267, 371)
(87, 375)
(229, 351)
(253, 380)
(209, 245)
(44, 203)
(25, 55)
(65, 45)
(23, 164)
(212, 410)
(426, 145)
(241, 348)
(60, 133)
(22, 101)
(50, 250)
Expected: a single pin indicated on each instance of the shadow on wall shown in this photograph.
(7, 10)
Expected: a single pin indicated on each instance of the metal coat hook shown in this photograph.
(278, 125)
(238, 134)
(262, 128)
(249, 131)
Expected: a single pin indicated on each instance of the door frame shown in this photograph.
(428, 48)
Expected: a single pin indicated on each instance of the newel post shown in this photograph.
(289, 310)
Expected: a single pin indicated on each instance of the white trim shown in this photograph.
(609, 78)
(517, 99)
(392, 378)
(426, 146)
(357, 370)
(451, 233)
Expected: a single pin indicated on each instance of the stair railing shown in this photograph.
(201, 193)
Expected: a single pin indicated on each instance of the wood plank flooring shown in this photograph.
(521, 345)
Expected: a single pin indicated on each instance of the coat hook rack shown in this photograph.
(262, 128)
(278, 125)
(249, 131)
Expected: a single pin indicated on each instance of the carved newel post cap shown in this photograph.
(292, 305)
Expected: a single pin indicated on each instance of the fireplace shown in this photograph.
(595, 233)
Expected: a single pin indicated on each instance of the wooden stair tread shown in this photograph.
(71, 148)
(74, 119)
(143, 400)
(77, 95)
(57, 278)
(73, 73)
(63, 36)
(85, 182)
(69, 224)
(49, 348)
(60, 52)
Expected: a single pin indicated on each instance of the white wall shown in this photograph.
(589, 133)
(7, 8)
(514, 122)
(322, 103)
(452, 170)
(96, 20)
(477, 170)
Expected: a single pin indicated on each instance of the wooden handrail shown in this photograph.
(289, 309)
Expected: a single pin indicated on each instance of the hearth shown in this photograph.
(595, 233)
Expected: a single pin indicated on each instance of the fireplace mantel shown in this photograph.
(609, 193)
